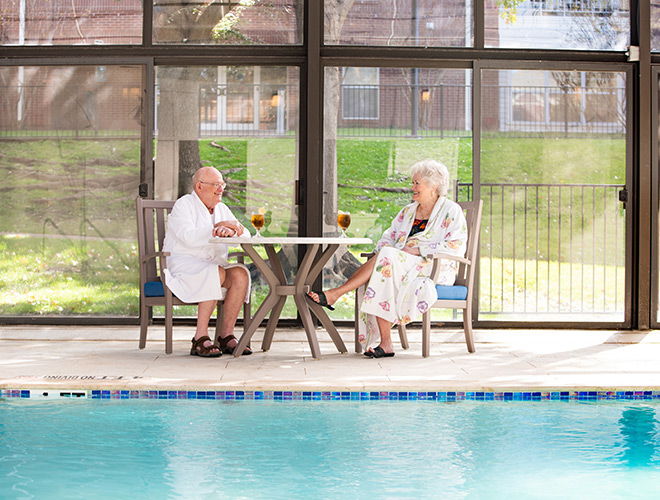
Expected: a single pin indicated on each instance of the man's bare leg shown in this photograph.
(236, 281)
(204, 311)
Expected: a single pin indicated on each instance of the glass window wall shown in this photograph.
(228, 22)
(70, 22)
(423, 113)
(558, 24)
(553, 160)
(655, 204)
(243, 120)
(71, 137)
(70, 164)
(655, 26)
(422, 23)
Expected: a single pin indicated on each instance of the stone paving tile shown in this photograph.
(108, 357)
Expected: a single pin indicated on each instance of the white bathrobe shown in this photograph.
(192, 267)
(400, 289)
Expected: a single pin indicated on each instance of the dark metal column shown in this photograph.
(311, 166)
(644, 173)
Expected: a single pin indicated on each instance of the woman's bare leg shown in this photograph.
(385, 329)
(359, 278)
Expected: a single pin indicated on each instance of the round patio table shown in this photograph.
(318, 250)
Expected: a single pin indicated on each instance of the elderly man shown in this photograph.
(198, 271)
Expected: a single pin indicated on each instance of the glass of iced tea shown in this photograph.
(257, 221)
(343, 220)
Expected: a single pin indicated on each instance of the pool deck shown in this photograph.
(64, 357)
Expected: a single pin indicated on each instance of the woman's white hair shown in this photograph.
(432, 173)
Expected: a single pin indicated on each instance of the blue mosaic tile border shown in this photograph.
(441, 396)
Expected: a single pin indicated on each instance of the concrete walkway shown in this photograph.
(36, 357)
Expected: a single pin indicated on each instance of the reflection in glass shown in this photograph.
(360, 91)
(655, 26)
(639, 430)
(230, 22)
(70, 164)
(378, 122)
(553, 160)
(65, 22)
(558, 24)
(243, 120)
(424, 23)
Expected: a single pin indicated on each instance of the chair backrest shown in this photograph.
(151, 221)
(472, 211)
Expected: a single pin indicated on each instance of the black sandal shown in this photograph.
(199, 349)
(323, 301)
(223, 341)
(379, 352)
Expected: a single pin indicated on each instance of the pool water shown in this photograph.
(91, 449)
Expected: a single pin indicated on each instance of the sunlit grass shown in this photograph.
(60, 278)
(521, 286)
(70, 247)
(71, 281)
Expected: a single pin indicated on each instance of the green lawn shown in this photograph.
(56, 276)
(67, 211)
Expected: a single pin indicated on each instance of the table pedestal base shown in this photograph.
(310, 267)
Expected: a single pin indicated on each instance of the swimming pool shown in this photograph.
(194, 449)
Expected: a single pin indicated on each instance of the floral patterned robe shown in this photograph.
(400, 289)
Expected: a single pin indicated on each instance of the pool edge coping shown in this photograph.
(520, 395)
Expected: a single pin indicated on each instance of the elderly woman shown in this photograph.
(399, 289)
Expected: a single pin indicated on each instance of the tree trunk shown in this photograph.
(331, 108)
(335, 19)
(189, 162)
(178, 126)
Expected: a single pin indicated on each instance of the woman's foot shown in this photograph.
(325, 299)
(379, 352)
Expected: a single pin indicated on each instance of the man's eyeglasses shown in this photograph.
(216, 185)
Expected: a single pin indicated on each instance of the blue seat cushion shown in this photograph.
(456, 292)
(156, 289)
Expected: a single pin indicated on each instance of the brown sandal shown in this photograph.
(223, 341)
(199, 349)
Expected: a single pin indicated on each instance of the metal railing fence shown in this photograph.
(566, 112)
(564, 7)
(551, 250)
(437, 111)
(393, 110)
(246, 110)
(75, 112)
(441, 111)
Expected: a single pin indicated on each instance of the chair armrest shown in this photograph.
(240, 256)
(447, 256)
(155, 255)
(436, 258)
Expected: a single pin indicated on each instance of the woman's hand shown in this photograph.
(411, 249)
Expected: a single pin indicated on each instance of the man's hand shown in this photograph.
(228, 228)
